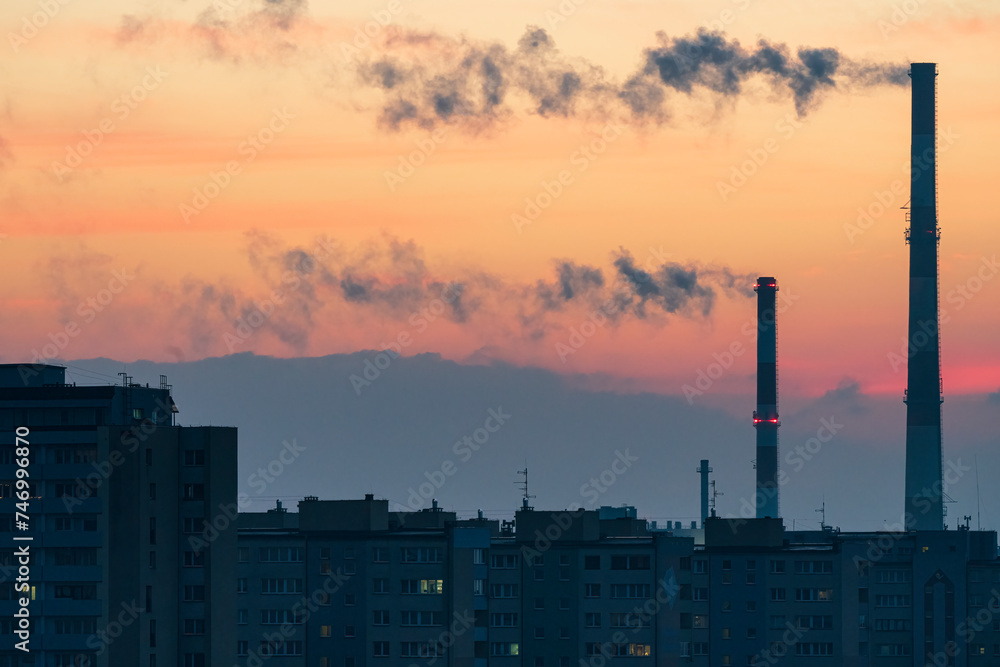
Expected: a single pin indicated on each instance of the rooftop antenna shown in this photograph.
(822, 511)
(525, 504)
(715, 494)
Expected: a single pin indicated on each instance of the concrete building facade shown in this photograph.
(122, 571)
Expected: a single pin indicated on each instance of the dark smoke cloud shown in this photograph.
(225, 29)
(301, 289)
(629, 291)
(474, 84)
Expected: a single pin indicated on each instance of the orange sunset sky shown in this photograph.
(115, 117)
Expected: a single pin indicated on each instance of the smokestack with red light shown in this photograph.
(924, 508)
(765, 417)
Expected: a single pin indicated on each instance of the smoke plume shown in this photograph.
(430, 80)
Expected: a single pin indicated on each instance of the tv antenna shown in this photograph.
(715, 494)
(822, 511)
(525, 504)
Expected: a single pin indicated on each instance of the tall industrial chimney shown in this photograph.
(765, 417)
(704, 470)
(924, 508)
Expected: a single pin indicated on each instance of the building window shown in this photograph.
(194, 457)
(380, 617)
(591, 590)
(326, 631)
(278, 586)
(504, 561)
(194, 492)
(592, 620)
(194, 660)
(422, 586)
(504, 590)
(777, 567)
(479, 556)
(241, 585)
(349, 631)
(815, 649)
(778, 595)
(563, 604)
(280, 554)
(242, 648)
(539, 604)
(701, 566)
(324, 553)
(243, 554)
(195, 593)
(241, 616)
(591, 562)
(479, 587)
(421, 618)
(194, 626)
(813, 567)
(421, 555)
(424, 649)
(380, 555)
(630, 591)
(633, 621)
(503, 620)
(349, 599)
(539, 632)
(630, 562)
(813, 594)
(380, 585)
(194, 559)
(380, 649)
